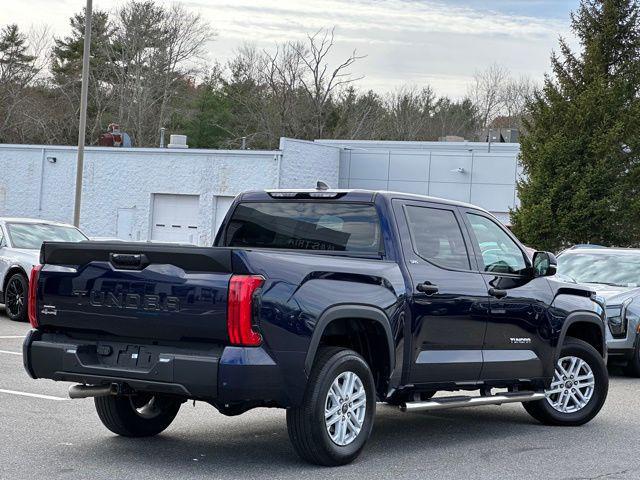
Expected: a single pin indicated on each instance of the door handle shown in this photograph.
(427, 287)
(496, 292)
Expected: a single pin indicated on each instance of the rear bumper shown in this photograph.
(217, 374)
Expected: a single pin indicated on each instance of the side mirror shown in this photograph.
(544, 264)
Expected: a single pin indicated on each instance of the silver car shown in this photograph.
(20, 242)
(614, 273)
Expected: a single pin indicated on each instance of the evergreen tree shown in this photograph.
(209, 122)
(16, 65)
(581, 152)
(66, 58)
(66, 69)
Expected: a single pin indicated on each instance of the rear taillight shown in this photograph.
(240, 310)
(33, 288)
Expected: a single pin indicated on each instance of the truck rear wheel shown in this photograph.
(141, 415)
(335, 419)
(578, 390)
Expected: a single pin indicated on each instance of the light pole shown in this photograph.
(83, 112)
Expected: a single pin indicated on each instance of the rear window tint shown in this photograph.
(436, 236)
(340, 227)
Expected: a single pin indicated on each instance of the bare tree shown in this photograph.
(486, 92)
(283, 74)
(250, 102)
(155, 53)
(359, 116)
(185, 38)
(515, 95)
(287, 91)
(321, 79)
(459, 118)
(409, 113)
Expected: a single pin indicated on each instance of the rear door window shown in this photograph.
(436, 236)
(321, 226)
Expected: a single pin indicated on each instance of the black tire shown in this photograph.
(632, 368)
(119, 414)
(16, 297)
(542, 410)
(306, 425)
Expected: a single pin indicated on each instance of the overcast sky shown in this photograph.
(439, 42)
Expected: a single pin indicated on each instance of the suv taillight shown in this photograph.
(31, 302)
(240, 310)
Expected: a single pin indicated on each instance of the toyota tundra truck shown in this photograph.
(324, 303)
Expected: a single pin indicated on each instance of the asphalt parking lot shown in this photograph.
(45, 435)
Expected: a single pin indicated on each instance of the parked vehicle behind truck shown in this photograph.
(20, 242)
(322, 302)
(614, 273)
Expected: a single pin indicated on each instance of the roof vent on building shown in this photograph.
(178, 141)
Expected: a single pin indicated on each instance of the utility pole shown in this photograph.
(83, 112)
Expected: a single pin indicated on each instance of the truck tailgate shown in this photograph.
(133, 290)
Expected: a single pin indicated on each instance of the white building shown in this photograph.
(182, 195)
(472, 172)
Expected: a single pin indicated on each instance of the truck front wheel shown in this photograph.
(140, 415)
(578, 389)
(335, 419)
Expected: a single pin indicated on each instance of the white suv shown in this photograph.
(20, 242)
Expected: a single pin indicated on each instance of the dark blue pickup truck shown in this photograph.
(323, 302)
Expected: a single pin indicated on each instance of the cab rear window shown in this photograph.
(319, 226)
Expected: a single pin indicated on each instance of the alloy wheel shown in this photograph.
(345, 408)
(572, 387)
(15, 297)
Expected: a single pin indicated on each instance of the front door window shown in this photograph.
(500, 254)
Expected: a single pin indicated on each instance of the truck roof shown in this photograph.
(353, 195)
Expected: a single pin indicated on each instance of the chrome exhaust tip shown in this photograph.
(86, 391)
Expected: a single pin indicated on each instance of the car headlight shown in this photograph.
(617, 318)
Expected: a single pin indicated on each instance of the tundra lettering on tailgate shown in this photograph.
(132, 301)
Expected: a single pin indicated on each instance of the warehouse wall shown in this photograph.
(38, 181)
(464, 171)
(304, 163)
(120, 184)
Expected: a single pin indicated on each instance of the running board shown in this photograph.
(465, 401)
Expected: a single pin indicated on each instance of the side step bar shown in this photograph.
(465, 401)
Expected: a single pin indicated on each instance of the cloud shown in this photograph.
(416, 42)
(288, 17)
(440, 42)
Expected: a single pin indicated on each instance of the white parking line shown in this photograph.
(11, 353)
(34, 395)
(11, 336)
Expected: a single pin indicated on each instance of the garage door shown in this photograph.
(175, 218)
